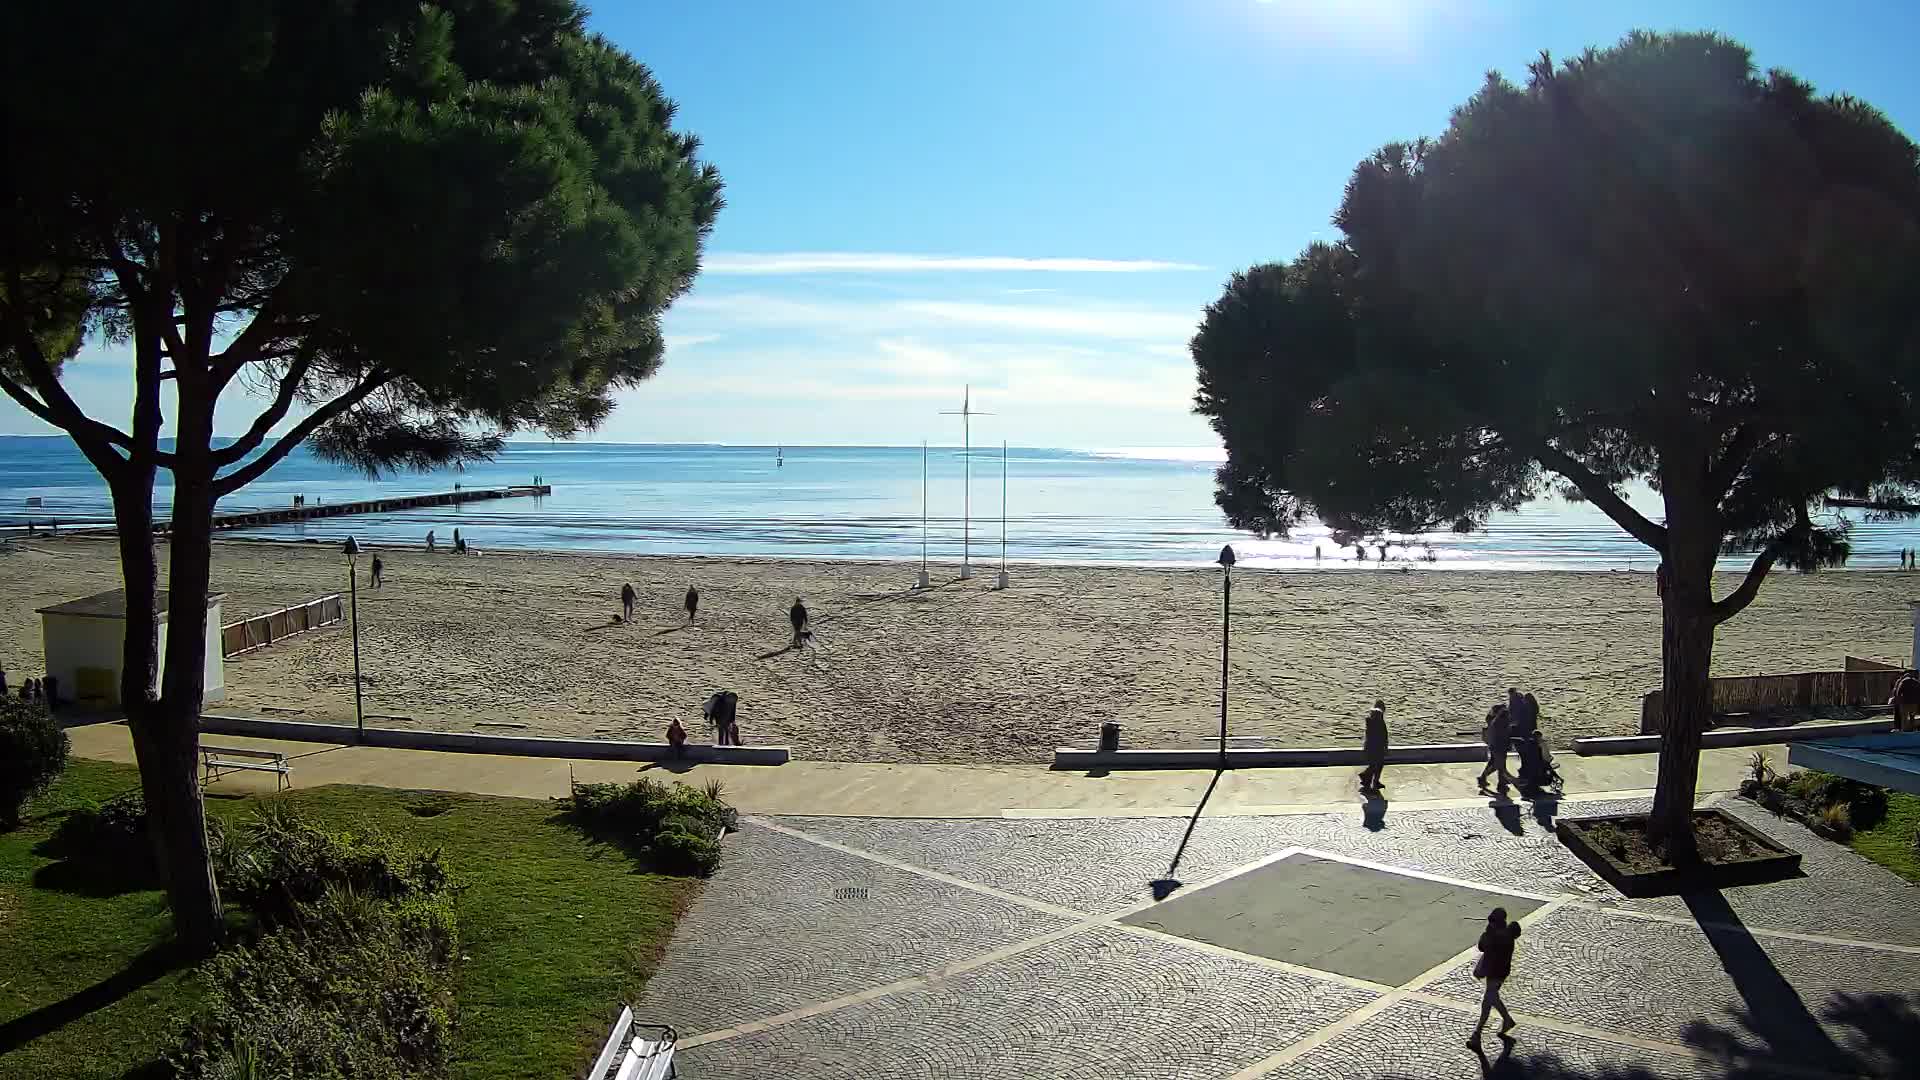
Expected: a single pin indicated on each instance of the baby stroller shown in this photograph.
(1537, 771)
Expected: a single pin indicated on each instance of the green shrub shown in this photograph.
(1866, 804)
(674, 824)
(677, 851)
(353, 975)
(33, 750)
(347, 989)
(1838, 819)
(279, 861)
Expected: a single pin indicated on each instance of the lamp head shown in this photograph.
(1226, 556)
(351, 547)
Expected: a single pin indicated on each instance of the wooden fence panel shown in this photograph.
(1795, 690)
(263, 630)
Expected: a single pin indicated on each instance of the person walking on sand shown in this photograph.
(1375, 748)
(627, 598)
(429, 539)
(1493, 967)
(379, 570)
(693, 604)
(797, 615)
(1498, 736)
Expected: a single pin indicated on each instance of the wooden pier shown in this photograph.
(254, 519)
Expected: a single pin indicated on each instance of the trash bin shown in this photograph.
(1109, 738)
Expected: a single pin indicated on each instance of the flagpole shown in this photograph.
(1003, 514)
(966, 415)
(924, 580)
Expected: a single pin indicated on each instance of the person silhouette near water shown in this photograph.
(693, 604)
(627, 598)
(379, 571)
(797, 615)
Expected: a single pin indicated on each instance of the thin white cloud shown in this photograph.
(907, 316)
(676, 342)
(878, 262)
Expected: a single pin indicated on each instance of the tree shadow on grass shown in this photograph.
(86, 867)
(143, 969)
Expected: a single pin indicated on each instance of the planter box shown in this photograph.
(1775, 863)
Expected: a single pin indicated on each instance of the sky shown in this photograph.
(1038, 198)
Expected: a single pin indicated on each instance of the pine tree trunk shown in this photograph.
(1686, 662)
(182, 827)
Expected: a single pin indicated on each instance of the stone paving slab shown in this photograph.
(1806, 1003)
(1333, 916)
(1414, 1040)
(768, 934)
(1097, 1005)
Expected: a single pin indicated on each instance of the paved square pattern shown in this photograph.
(1302, 945)
(1334, 916)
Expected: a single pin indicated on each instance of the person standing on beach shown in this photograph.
(797, 615)
(1498, 734)
(379, 569)
(627, 598)
(1493, 967)
(693, 604)
(1375, 748)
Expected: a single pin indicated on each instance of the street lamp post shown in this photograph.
(353, 593)
(1226, 623)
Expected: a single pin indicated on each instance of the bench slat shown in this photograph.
(650, 1059)
(604, 1063)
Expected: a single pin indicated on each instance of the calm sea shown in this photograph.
(1136, 506)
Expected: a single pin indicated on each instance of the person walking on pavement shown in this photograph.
(1498, 735)
(1375, 747)
(1493, 967)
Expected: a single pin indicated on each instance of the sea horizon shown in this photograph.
(1139, 506)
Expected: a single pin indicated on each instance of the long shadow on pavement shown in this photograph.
(1165, 886)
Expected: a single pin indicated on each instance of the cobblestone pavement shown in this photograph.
(993, 948)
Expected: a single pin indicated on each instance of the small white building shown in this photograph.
(85, 639)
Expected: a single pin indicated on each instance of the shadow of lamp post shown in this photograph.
(1226, 622)
(352, 549)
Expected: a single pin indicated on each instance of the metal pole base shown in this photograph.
(924, 582)
(1002, 582)
(966, 573)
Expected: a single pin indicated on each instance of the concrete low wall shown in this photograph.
(1650, 744)
(467, 743)
(1263, 757)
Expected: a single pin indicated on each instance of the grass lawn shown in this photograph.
(1890, 843)
(555, 930)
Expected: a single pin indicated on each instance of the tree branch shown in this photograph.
(55, 406)
(247, 474)
(262, 424)
(1720, 478)
(1736, 601)
(1599, 493)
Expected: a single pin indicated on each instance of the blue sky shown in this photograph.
(1040, 197)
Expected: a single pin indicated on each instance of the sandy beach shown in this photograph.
(524, 643)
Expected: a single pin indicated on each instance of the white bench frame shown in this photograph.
(215, 761)
(638, 1056)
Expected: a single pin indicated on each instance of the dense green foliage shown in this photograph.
(33, 750)
(404, 230)
(352, 976)
(552, 929)
(674, 826)
(1648, 263)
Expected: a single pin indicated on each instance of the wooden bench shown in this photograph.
(635, 1051)
(217, 760)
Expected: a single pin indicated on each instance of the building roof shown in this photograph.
(1890, 761)
(112, 604)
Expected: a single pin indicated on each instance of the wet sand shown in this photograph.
(524, 643)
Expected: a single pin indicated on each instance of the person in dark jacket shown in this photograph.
(1375, 748)
(693, 604)
(379, 571)
(797, 615)
(627, 597)
(1498, 734)
(1493, 967)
